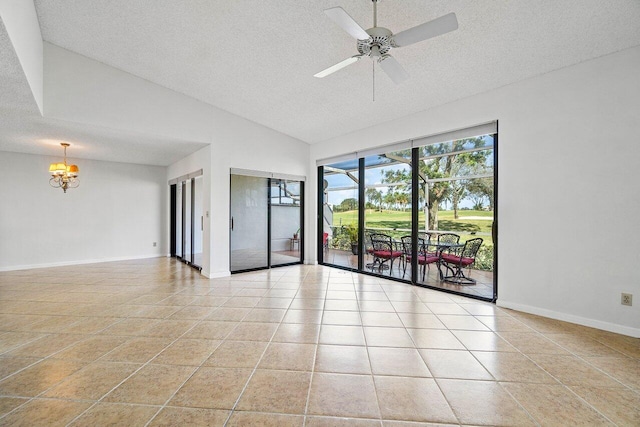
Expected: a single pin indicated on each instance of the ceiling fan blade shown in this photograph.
(394, 70)
(346, 22)
(425, 31)
(338, 66)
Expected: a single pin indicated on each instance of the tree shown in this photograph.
(481, 189)
(375, 197)
(347, 205)
(403, 200)
(438, 163)
(445, 160)
(390, 198)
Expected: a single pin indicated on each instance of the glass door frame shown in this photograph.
(415, 158)
(301, 222)
(173, 210)
(270, 177)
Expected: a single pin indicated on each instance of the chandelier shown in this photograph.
(62, 175)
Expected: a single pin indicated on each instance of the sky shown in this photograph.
(374, 176)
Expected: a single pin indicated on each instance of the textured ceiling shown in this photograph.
(257, 59)
(24, 130)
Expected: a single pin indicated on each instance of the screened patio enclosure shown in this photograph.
(413, 195)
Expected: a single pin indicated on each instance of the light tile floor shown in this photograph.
(150, 342)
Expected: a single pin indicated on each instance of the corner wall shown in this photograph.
(116, 213)
(242, 144)
(568, 186)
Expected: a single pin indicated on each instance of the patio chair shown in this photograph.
(448, 238)
(444, 240)
(424, 257)
(383, 251)
(427, 236)
(459, 258)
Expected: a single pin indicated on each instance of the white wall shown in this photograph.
(242, 144)
(79, 89)
(568, 186)
(117, 212)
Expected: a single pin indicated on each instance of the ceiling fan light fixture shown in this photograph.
(376, 42)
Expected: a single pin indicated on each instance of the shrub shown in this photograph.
(484, 258)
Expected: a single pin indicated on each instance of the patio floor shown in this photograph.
(482, 288)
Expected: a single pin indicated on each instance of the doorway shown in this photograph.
(187, 221)
(266, 221)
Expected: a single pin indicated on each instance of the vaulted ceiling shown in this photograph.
(257, 58)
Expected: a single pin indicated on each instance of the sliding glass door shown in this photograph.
(187, 228)
(197, 220)
(266, 222)
(409, 211)
(249, 222)
(339, 214)
(187, 205)
(388, 212)
(286, 223)
(457, 201)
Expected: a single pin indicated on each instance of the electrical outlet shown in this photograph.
(155, 244)
(627, 299)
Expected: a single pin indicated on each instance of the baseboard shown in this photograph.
(78, 262)
(216, 274)
(584, 321)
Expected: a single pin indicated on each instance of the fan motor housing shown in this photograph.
(380, 37)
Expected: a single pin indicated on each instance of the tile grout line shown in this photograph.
(315, 355)
(204, 360)
(619, 348)
(366, 345)
(255, 368)
(136, 371)
(29, 399)
(561, 383)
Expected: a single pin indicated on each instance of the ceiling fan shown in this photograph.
(376, 42)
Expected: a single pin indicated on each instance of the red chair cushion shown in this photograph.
(452, 259)
(387, 254)
(431, 258)
(422, 260)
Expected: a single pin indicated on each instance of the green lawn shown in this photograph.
(397, 224)
(468, 222)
